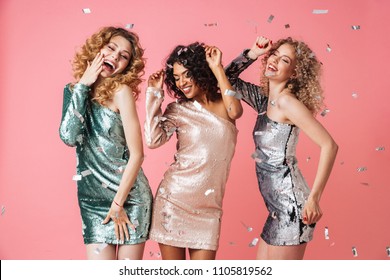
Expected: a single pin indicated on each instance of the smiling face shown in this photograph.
(281, 64)
(184, 82)
(117, 55)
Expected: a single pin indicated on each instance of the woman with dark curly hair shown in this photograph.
(187, 210)
(287, 100)
(99, 118)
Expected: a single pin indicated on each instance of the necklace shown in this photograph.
(272, 102)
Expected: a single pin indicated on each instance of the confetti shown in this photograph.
(320, 12)
(129, 25)
(248, 228)
(78, 115)
(328, 48)
(355, 27)
(86, 11)
(135, 223)
(197, 105)
(231, 243)
(210, 24)
(380, 149)
(361, 169)
(365, 184)
(230, 92)
(181, 50)
(209, 191)
(255, 157)
(325, 112)
(326, 233)
(2, 210)
(100, 248)
(270, 18)
(354, 251)
(287, 26)
(388, 251)
(332, 244)
(86, 172)
(274, 215)
(77, 177)
(104, 185)
(259, 132)
(254, 242)
(354, 95)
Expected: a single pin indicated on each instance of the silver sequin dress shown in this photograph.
(281, 183)
(102, 156)
(187, 210)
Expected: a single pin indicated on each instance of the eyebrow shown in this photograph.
(118, 46)
(183, 73)
(283, 55)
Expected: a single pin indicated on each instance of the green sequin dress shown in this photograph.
(102, 155)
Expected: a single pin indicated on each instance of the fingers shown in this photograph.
(263, 42)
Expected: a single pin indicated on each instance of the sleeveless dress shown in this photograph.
(187, 210)
(281, 183)
(102, 156)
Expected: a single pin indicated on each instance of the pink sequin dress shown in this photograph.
(187, 210)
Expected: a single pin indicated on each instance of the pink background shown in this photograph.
(40, 218)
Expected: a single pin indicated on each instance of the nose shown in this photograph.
(115, 55)
(182, 81)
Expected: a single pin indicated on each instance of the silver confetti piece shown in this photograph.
(355, 95)
(197, 105)
(2, 210)
(274, 215)
(361, 169)
(169, 66)
(86, 11)
(254, 242)
(135, 223)
(248, 228)
(355, 27)
(380, 149)
(78, 115)
(129, 25)
(325, 112)
(270, 18)
(86, 172)
(210, 24)
(365, 184)
(77, 177)
(100, 248)
(354, 251)
(230, 92)
(259, 132)
(328, 48)
(287, 26)
(326, 233)
(320, 12)
(209, 191)
(181, 50)
(388, 251)
(255, 157)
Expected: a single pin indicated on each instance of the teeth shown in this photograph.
(109, 63)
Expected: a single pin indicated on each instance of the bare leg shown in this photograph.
(197, 254)
(131, 252)
(98, 252)
(270, 252)
(172, 253)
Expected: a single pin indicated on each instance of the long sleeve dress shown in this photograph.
(102, 155)
(281, 183)
(187, 210)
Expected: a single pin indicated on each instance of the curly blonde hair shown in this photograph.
(305, 83)
(130, 76)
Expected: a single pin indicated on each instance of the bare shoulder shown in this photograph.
(288, 101)
(123, 91)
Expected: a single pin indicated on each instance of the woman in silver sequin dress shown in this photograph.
(187, 210)
(286, 101)
(99, 118)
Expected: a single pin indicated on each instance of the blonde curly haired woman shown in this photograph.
(99, 118)
(286, 101)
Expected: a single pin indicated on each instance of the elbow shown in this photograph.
(235, 114)
(67, 139)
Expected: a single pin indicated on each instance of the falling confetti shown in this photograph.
(355, 95)
(325, 112)
(129, 25)
(320, 12)
(354, 251)
(232, 93)
(328, 48)
(210, 24)
(388, 251)
(2, 210)
(270, 18)
(254, 242)
(332, 244)
(326, 233)
(355, 27)
(78, 115)
(365, 184)
(259, 132)
(361, 169)
(248, 228)
(86, 172)
(100, 248)
(209, 191)
(86, 11)
(77, 177)
(380, 149)
(255, 157)
(135, 223)
(274, 215)
(287, 26)
(197, 105)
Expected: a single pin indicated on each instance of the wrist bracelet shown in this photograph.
(118, 204)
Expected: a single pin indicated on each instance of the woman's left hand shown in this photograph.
(311, 213)
(119, 216)
(213, 56)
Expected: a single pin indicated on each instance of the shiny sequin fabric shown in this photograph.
(281, 183)
(102, 156)
(188, 205)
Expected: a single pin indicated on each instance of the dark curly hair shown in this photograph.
(193, 58)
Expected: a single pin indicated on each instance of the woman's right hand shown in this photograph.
(156, 79)
(93, 70)
(260, 47)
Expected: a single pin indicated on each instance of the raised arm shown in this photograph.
(230, 98)
(158, 127)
